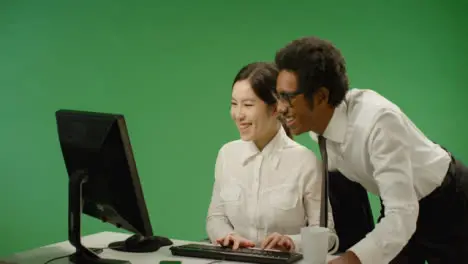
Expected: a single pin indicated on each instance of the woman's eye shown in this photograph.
(248, 105)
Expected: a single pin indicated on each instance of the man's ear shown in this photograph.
(321, 96)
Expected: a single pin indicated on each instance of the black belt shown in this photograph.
(455, 180)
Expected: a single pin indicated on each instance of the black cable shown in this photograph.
(57, 258)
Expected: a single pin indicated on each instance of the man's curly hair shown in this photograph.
(317, 63)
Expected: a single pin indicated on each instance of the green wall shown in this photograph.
(168, 66)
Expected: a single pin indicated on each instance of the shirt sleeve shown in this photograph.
(312, 177)
(217, 223)
(390, 157)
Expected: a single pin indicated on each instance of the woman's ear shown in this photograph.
(273, 110)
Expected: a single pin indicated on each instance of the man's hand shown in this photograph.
(278, 241)
(347, 258)
(235, 241)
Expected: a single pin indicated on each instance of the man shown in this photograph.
(370, 140)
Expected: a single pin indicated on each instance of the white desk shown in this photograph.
(102, 240)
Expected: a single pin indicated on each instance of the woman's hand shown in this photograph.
(278, 241)
(235, 241)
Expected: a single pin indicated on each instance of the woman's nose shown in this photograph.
(239, 114)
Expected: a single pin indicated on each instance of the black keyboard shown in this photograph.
(242, 254)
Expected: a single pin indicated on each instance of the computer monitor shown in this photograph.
(103, 182)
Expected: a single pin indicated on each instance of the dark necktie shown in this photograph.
(324, 197)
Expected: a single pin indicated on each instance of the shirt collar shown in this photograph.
(272, 148)
(313, 136)
(336, 129)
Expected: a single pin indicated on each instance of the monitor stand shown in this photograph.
(141, 244)
(82, 255)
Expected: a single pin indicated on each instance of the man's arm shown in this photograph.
(389, 151)
(217, 223)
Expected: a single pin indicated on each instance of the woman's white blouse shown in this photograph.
(257, 193)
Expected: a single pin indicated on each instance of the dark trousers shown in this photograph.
(442, 227)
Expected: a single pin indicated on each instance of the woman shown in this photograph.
(267, 186)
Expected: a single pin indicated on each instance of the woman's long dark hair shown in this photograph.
(262, 77)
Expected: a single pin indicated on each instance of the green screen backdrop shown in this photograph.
(168, 67)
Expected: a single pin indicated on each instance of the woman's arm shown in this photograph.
(217, 223)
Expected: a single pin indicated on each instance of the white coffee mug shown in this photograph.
(314, 240)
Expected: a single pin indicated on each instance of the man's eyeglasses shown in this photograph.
(286, 96)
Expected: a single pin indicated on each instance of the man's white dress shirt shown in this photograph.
(372, 142)
(257, 193)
